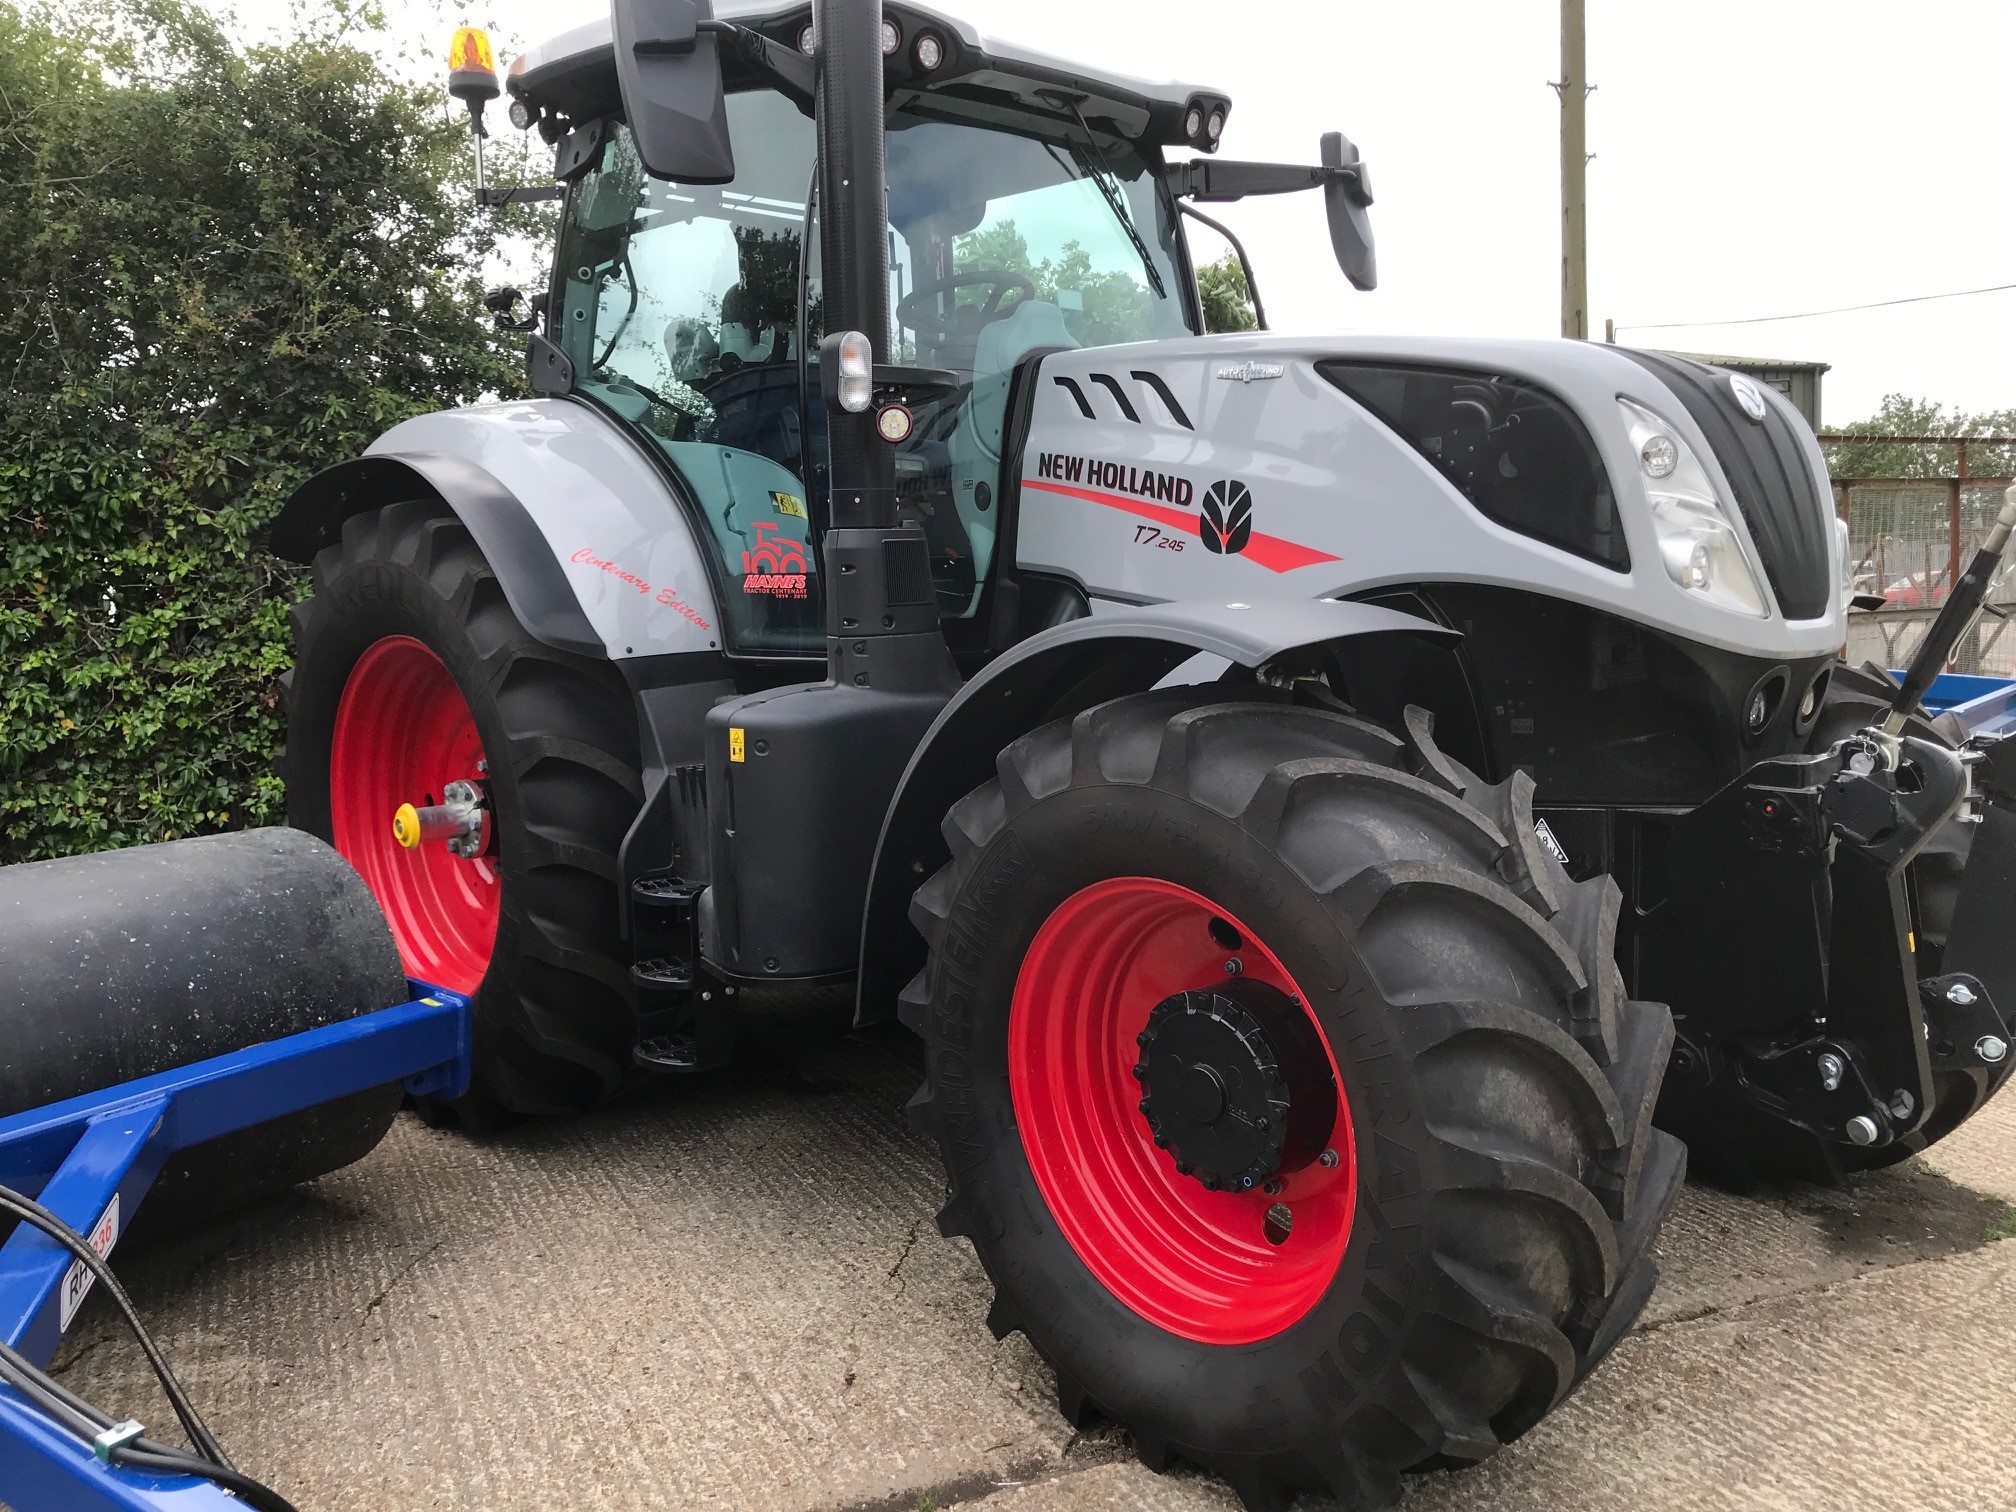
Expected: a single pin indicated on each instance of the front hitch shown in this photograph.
(1888, 794)
(1776, 919)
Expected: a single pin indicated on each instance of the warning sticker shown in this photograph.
(77, 1280)
(789, 504)
(735, 742)
(1551, 845)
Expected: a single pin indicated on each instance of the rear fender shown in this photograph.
(1054, 675)
(592, 550)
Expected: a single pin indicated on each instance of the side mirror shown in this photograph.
(1347, 194)
(669, 69)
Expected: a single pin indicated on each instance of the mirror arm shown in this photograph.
(1210, 181)
(489, 199)
(788, 69)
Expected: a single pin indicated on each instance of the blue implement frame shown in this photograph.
(91, 1159)
(1986, 705)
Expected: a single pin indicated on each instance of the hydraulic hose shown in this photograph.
(1961, 606)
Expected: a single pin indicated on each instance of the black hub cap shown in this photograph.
(1235, 1084)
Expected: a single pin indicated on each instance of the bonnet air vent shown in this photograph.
(1514, 450)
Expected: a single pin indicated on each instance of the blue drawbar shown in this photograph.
(91, 1159)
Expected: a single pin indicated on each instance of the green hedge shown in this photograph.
(221, 269)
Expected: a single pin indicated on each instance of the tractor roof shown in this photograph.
(574, 73)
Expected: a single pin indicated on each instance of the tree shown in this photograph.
(1228, 302)
(1902, 416)
(1111, 307)
(221, 269)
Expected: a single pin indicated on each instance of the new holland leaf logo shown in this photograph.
(1228, 518)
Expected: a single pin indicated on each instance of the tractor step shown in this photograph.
(662, 975)
(685, 1018)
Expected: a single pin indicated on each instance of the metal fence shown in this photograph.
(1908, 539)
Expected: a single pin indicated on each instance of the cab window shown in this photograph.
(679, 312)
(1010, 234)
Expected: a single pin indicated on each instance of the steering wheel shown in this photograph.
(935, 326)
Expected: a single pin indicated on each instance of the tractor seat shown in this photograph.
(1033, 326)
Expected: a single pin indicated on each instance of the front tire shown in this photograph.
(1473, 1236)
(411, 671)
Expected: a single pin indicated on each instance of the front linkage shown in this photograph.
(1789, 887)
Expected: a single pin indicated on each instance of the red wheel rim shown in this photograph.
(1195, 1262)
(403, 733)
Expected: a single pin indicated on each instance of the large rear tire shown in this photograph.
(1420, 992)
(411, 671)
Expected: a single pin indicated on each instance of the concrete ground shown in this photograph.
(729, 1293)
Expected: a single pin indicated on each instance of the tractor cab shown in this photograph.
(1027, 213)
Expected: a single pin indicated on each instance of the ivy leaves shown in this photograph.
(221, 269)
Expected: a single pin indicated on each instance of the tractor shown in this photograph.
(1345, 816)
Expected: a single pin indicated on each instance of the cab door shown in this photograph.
(678, 307)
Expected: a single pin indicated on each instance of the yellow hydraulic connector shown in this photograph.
(406, 826)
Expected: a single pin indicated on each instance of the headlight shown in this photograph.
(1697, 541)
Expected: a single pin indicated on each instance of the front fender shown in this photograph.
(1054, 675)
(594, 553)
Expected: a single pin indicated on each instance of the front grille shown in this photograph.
(1767, 466)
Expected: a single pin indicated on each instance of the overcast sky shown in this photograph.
(1752, 157)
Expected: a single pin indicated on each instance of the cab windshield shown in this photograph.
(678, 308)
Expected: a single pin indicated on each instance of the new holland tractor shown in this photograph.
(1309, 794)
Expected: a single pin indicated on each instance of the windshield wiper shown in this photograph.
(1108, 183)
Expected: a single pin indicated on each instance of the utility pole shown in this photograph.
(1574, 91)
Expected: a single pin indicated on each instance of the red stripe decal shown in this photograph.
(1271, 552)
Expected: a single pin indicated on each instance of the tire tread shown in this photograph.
(1564, 1028)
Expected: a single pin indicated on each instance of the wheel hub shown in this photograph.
(461, 820)
(1235, 1084)
(405, 735)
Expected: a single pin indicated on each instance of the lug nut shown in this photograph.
(1960, 994)
(1862, 1129)
(1327, 1160)
(1233, 968)
(1831, 1070)
(1902, 1105)
(1991, 1048)
(1272, 1188)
